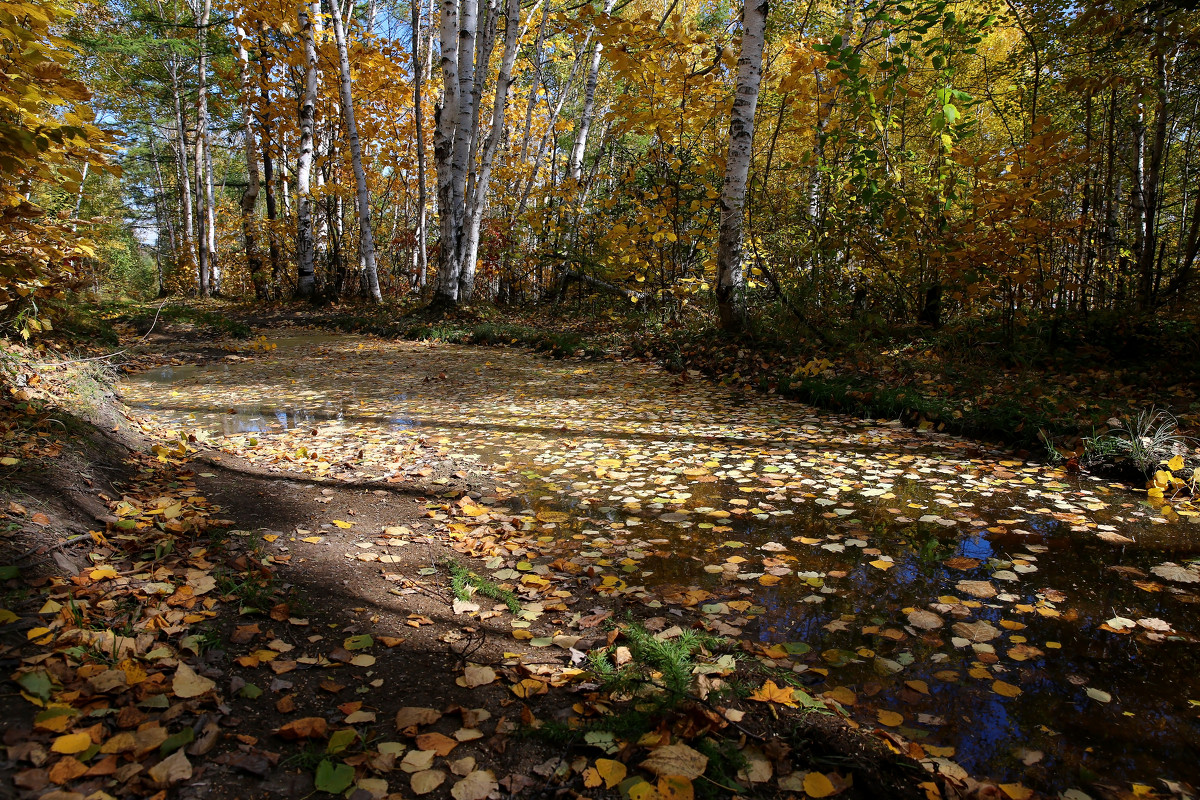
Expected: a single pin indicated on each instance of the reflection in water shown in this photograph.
(806, 529)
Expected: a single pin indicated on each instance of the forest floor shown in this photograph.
(294, 562)
(1034, 390)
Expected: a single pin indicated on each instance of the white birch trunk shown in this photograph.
(366, 241)
(203, 211)
(305, 242)
(731, 278)
(443, 151)
(575, 165)
(479, 198)
(421, 252)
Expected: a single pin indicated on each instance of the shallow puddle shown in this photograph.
(936, 586)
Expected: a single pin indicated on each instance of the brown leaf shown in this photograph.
(411, 716)
(676, 759)
(476, 786)
(437, 742)
(172, 769)
(304, 728)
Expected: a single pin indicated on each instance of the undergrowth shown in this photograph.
(464, 584)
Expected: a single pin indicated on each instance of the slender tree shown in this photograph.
(731, 279)
(306, 280)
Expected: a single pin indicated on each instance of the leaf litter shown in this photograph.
(857, 558)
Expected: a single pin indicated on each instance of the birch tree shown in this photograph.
(306, 273)
(366, 241)
(206, 246)
(579, 148)
(421, 251)
(457, 139)
(731, 278)
(254, 261)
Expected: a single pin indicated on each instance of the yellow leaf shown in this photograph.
(817, 785)
(528, 688)
(643, 791)
(1176, 463)
(890, 718)
(675, 787)
(1005, 689)
(72, 743)
(342, 523)
(1016, 791)
(770, 693)
(613, 772)
(100, 573)
(883, 565)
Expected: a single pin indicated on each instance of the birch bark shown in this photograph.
(731, 279)
(366, 241)
(305, 242)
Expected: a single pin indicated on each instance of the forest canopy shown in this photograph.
(911, 161)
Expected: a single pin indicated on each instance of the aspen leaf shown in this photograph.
(675, 787)
(475, 786)
(426, 781)
(172, 769)
(304, 728)
(889, 718)
(610, 772)
(475, 675)
(71, 743)
(187, 683)
(1016, 791)
(817, 785)
(676, 759)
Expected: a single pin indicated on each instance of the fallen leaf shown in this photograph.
(426, 781)
(172, 769)
(71, 743)
(475, 675)
(676, 759)
(476, 786)
(187, 683)
(816, 784)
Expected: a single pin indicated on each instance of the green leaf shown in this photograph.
(8, 572)
(36, 683)
(334, 778)
(340, 740)
(359, 642)
(176, 741)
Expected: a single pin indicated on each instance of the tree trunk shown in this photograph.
(731, 279)
(306, 281)
(366, 241)
(201, 162)
(422, 248)
(443, 152)
(579, 148)
(268, 171)
(478, 198)
(1147, 281)
(250, 194)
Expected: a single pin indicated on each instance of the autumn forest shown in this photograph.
(639, 399)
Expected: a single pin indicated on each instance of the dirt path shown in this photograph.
(960, 605)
